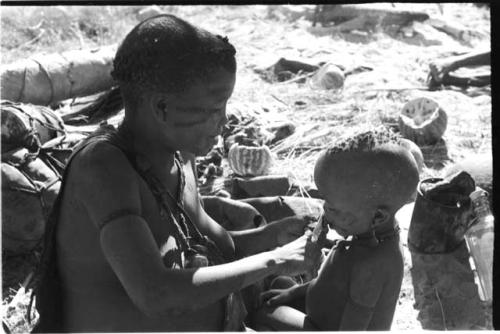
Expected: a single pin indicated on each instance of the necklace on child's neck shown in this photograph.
(374, 239)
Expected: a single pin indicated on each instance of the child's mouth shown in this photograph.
(338, 229)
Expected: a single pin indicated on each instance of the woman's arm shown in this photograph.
(129, 247)
(250, 241)
(269, 236)
(132, 252)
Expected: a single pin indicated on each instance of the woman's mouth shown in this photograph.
(213, 139)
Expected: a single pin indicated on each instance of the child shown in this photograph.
(364, 181)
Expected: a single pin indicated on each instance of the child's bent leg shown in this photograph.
(282, 318)
(285, 282)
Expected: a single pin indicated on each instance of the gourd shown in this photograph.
(423, 121)
(250, 161)
(329, 76)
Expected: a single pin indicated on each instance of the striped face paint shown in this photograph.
(192, 116)
(195, 118)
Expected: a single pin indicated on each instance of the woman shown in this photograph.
(133, 249)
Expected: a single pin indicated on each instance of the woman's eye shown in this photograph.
(203, 110)
(214, 111)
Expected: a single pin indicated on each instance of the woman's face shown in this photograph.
(194, 118)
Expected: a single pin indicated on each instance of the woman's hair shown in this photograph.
(165, 53)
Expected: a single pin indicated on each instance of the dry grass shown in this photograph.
(263, 34)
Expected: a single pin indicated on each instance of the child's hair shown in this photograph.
(165, 53)
(365, 141)
(375, 157)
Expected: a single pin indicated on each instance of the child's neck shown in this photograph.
(381, 231)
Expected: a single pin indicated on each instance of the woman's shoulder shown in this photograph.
(102, 170)
(100, 155)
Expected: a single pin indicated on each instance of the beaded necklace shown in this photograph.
(197, 249)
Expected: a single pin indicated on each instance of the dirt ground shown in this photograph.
(438, 291)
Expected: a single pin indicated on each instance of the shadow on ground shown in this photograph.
(446, 296)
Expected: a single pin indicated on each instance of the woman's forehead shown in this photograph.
(217, 88)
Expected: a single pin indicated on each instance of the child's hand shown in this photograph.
(275, 297)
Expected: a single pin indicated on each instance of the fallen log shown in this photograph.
(368, 14)
(46, 79)
(451, 28)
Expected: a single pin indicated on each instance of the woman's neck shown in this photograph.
(147, 144)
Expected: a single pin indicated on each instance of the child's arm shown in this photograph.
(275, 297)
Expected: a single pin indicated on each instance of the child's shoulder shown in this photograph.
(379, 259)
(371, 273)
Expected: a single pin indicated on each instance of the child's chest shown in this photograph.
(335, 273)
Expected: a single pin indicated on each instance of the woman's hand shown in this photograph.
(300, 256)
(287, 229)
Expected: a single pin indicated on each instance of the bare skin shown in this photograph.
(127, 276)
(357, 287)
(442, 67)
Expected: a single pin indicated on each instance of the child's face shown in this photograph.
(345, 213)
(343, 184)
(196, 116)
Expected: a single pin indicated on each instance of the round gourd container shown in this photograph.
(423, 121)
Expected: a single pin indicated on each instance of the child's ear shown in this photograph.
(382, 215)
(158, 104)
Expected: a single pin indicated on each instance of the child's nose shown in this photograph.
(222, 117)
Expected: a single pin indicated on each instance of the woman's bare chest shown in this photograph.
(167, 216)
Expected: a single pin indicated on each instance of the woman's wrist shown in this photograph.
(275, 261)
(279, 261)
